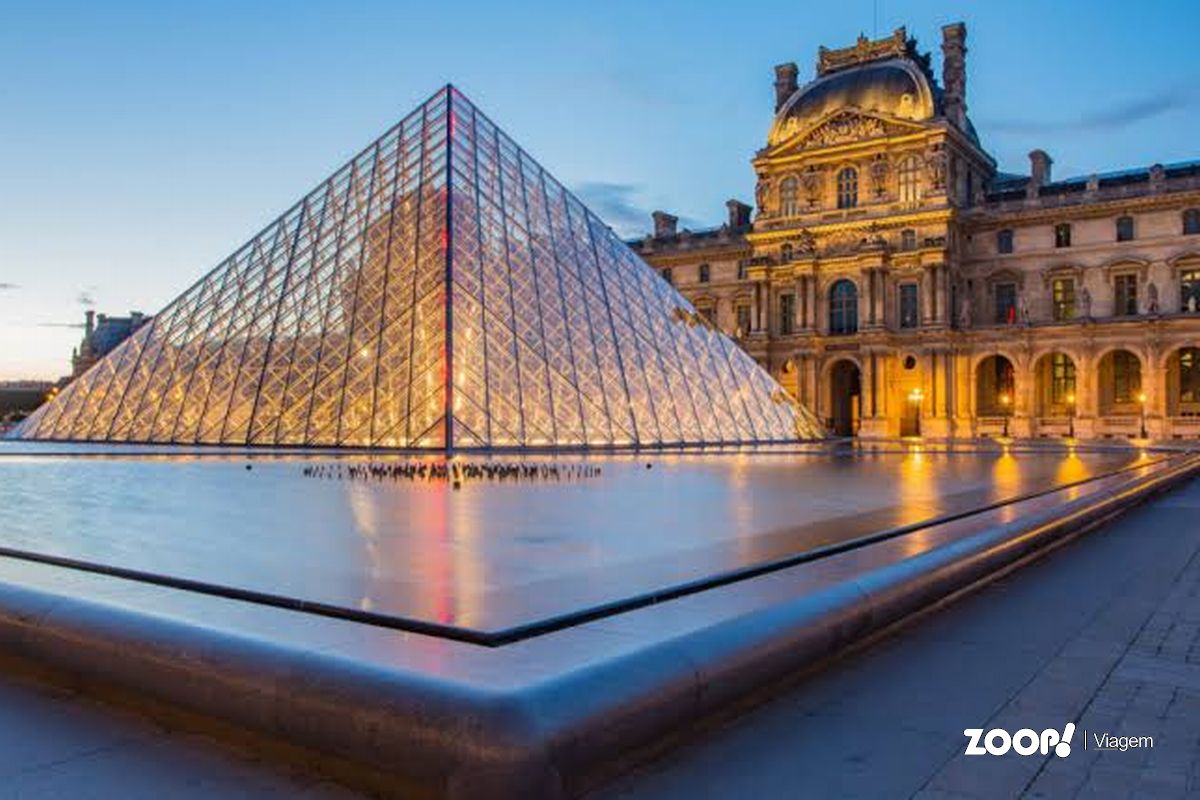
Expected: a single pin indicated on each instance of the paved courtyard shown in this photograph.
(1104, 630)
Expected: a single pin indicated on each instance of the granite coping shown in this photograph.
(536, 717)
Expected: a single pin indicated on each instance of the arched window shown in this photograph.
(910, 180)
(1126, 377)
(789, 197)
(1191, 221)
(847, 188)
(705, 273)
(843, 308)
(1124, 229)
(1004, 241)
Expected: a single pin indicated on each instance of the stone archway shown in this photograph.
(995, 387)
(1055, 385)
(1119, 384)
(845, 397)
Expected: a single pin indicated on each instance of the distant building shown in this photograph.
(101, 335)
(896, 283)
(19, 398)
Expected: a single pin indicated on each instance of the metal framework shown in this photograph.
(439, 291)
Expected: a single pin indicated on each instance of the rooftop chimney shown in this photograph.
(664, 224)
(1039, 172)
(785, 83)
(739, 213)
(90, 325)
(954, 73)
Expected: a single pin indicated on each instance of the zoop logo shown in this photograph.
(1025, 742)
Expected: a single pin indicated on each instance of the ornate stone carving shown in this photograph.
(811, 181)
(844, 128)
(863, 50)
(935, 164)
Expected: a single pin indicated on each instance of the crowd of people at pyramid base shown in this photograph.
(454, 472)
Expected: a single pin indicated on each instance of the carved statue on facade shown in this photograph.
(879, 175)
(1151, 298)
(936, 169)
(760, 196)
(964, 311)
(811, 181)
(845, 128)
(806, 242)
(1023, 308)
(1083, 303)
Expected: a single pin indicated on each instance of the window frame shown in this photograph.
(1062, 298)
(846, 185)
(1191, 221)
(1062, 235)
(1126, 230)
(1126, 377)
(704, 273)
(787, 314)
(1063, 379)
(1125, 294)
(843, 308)
(908, 318)
(1186, 393)
(1189, 286)
(908, 175)
(1004, 241)
(789, 196)
(1009, 314)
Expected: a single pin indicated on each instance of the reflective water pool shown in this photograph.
(492, 555)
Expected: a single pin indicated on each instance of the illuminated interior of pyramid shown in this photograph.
(440, 291)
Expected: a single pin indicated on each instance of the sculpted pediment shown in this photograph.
(837, 128)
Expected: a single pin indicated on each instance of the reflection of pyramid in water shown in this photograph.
(441, 250)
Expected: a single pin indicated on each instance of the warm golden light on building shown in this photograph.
(886, 251)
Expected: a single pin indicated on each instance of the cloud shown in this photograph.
(85, 298)
(8, 287)
(1112, 118)
(78, 325)
(617, 205)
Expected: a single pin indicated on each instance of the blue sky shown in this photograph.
(140, 142)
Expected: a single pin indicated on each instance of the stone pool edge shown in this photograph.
(531, 739)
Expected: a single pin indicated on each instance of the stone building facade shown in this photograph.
(898, 284)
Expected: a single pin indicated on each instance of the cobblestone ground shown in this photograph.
(1104, 632)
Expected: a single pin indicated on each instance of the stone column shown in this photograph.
(756, 307)
(927, 294)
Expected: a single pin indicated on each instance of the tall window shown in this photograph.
(1062, 234)
(908, 239)
(789, 197)
(1004, 241)
(908, 305)
(1127, 377)
(667, 276)
(741, 270)
(1064, 298)
(910, 180)
(705, 273)
(709, 312)
(743, 319)
(847, 188)
(1062, 379)
(843, 308)
(785, 253)
(1125, 296)
(1189, 375)
(787, 314)
(1191, 221)
(1124, 229)
(1006, 303)
(1189, 290)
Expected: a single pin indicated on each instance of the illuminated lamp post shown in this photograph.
(1141, 398)
(915, 397)
(1071, 416)
(1006, 404)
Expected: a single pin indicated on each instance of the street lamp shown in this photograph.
(1071, 416)
(1141, 398)
(915, 397)
(1005, 403)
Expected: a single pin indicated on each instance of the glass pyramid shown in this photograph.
(439, 291)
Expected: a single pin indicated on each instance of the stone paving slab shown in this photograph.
(1105, 631)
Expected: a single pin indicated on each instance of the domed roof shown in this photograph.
(895, 87)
